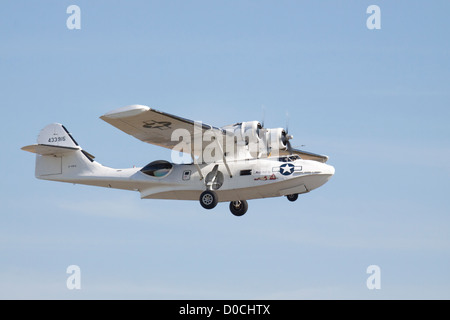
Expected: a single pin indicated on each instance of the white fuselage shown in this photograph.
(250, 179)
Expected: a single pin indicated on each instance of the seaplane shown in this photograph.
(233, 163)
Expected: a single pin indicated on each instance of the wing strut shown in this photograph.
(196, 165)
(223, 155)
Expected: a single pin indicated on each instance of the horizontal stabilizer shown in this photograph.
(48, 150)
(55, 140)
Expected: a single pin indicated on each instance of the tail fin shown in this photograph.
(58, 155)
(56, 134)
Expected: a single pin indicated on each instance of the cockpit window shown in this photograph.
(290, 158)
(160, 168)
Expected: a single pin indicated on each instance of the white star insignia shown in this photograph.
(285, 168)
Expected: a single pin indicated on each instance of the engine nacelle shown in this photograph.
(257, 140)
(250, 132)
(276, 139)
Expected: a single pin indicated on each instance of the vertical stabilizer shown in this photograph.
(58, 155)
(56, 134)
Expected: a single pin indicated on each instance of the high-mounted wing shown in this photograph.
(156, 127)
(153, 126)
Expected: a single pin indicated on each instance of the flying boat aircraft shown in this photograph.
(233, 163)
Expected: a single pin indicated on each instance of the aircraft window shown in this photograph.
(158, 169)
(247, 172)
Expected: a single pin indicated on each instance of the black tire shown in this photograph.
(292, 197)
(238, 208)
(208, 199)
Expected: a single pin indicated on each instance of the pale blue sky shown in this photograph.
(375, 101)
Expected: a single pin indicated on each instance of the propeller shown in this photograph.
(263, 107)
(287, 122)
(261, 129)
(287, 136)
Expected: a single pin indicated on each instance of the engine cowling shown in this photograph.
(258, 141)
(276, 139)
(250, 131)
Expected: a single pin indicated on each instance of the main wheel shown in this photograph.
(292, 197)
(238, 208)
(208, 199)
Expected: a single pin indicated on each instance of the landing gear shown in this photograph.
(208, 199)
(292, 197)
(238, 208)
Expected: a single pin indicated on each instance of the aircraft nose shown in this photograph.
(328, 169)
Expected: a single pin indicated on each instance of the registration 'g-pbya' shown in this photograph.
(233, 163)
